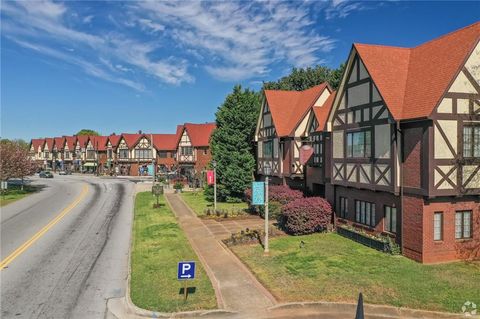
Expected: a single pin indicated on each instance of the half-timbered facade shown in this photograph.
(405, 144)
(281, 132)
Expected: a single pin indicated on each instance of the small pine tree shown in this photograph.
(232, 142)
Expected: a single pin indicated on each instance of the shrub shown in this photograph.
(178, 185)
(306, 215)
(278, 196)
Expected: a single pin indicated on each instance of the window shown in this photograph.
(205, 151)
(173, 154)
(123, 153)
(438, 226)
(91, 154)
(67, 155)
(463, 224)
(46, 154)
(317, 149)
(471, 140)
(267, 149)
(143, 153)
(359, 144)
(162, 154)
(365, 213)
(390, 221)
(343, 207)
(186, 150)
(110, 153)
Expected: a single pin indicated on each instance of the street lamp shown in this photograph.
(267, 171)
(214, 164)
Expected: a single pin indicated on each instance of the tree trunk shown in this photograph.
(22, 184)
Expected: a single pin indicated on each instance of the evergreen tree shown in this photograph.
(232, 142)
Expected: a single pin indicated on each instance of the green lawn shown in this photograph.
(333, 268)
(158, 245)
(14, 193)
(198, 203)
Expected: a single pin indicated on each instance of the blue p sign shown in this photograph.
(186, 270)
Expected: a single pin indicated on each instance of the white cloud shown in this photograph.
(88, 19)
(150, 25)
(343, 8)
(242, 39)
(42, 28)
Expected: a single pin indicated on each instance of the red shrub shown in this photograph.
(306, 215)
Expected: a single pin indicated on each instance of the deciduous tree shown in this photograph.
(87, 132)
(15, 161)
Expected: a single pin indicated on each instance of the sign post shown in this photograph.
(214, 164)
(157, 190)
(186, 271)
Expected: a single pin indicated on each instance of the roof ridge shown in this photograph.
(447, 34)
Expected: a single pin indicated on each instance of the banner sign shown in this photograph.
(258, 193)
(306, 151)
(210, 177)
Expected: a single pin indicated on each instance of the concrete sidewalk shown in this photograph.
(237, 289)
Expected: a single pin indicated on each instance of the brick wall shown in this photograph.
(203, 159)
(449, 248)
(413, 137)
(413, 227)
(314, 175)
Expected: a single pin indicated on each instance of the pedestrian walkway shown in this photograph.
(236, 287)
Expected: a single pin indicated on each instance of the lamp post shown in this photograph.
(214, 164)
(267, 173)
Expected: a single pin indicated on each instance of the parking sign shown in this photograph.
(186, 270)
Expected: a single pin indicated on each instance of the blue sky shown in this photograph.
(128, 66)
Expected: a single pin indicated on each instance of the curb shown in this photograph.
(370, 310)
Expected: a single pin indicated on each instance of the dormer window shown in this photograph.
(359, 144)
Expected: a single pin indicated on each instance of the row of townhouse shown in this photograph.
(396, 150)
(186, 152)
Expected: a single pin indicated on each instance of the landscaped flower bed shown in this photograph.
(382, 243)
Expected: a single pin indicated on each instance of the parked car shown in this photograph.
(45, 174)
(64, 173)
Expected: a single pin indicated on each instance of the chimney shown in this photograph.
(139, 131)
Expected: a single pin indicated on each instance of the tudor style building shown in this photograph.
(282, 130)
(193, 150)
(406, 144)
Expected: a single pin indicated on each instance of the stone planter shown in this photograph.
(363, 239)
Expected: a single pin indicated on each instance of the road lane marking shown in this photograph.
(45, 229)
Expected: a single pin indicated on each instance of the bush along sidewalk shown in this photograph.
(382, 243)
(248, 236)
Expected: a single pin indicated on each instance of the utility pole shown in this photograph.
(97, 169)
(266, 250)
(154, 157)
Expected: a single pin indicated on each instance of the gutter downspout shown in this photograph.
(401, 152)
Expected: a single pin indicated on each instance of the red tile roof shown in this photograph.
(167, 142)
(70, 141)
(289, 107)
(132, 139)
(59, 143)
(49, 142)
(99, 142)
(114, 139)
(413, 80)
(322, 112)
(37, 142)
(199, 133)
(82, 140)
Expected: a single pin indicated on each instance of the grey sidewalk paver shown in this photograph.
(237, 287)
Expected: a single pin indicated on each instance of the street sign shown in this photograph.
(150, 170)
(258, 193)
(157, 189)
(210, 177)
(186, 270)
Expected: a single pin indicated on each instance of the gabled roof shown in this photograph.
(49, 142)
(82, 140)
(322, 112)
(167, 142)
(199, 133)
(289, 107)
(59, 143)
(132, 139)
(70, 141)
(114, 140)
(99, 142)
(37, 142)
(413, 80)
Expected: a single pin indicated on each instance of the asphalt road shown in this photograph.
(64, 250)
